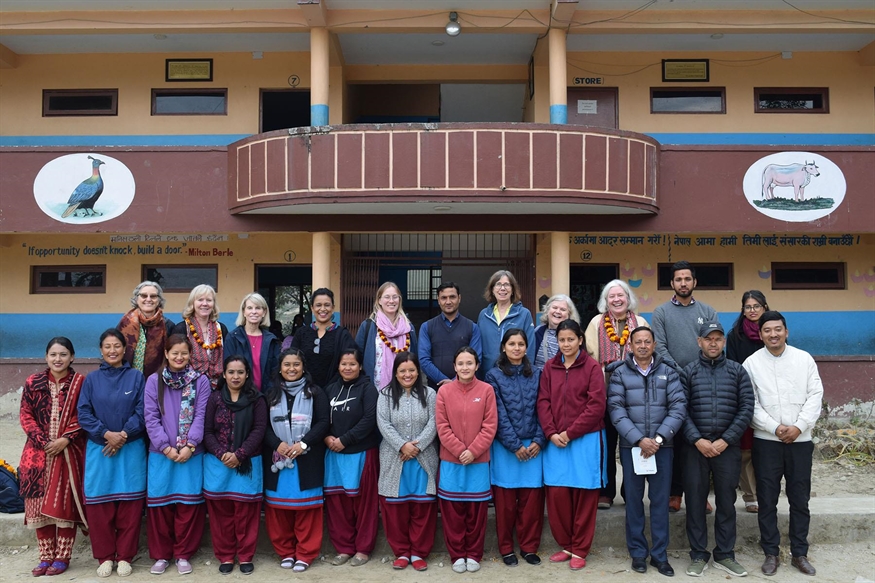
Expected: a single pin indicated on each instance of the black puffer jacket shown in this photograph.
(719, 400)
(644, 406)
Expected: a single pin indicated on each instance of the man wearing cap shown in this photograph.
(788, 394)
(720, 405)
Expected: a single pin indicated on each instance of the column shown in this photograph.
(558, 77)
(319, 77)
(321, 260)
(560, 263)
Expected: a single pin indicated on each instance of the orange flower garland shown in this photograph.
(612, 334)
(197, 337)
(389, 344)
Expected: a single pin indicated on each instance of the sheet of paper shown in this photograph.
(643, 466)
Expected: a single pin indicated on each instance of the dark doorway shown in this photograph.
(284, 108)
(287, 291)
(587, 282)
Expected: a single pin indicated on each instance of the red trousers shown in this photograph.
(234, 528)
(115, 529)
(520, 509)
(464, 528)
(353, 520)
(295, 533)
(409, 527)
(572, 512)
(55, 543)
(175, 530)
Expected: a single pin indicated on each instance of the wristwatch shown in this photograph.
(191, 446)
(658, 439)
(304, 446)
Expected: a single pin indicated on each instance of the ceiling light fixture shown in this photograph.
(453, 27)
(159, 36)
(437, 43)
(717, 35)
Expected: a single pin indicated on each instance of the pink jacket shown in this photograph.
(466, 419)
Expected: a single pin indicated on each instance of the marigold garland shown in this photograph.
(612, 334)
(389, 344)
(8, 467)
(197, 337)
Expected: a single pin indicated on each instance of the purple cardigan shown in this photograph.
(163, 430)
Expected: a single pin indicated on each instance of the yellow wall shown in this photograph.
(236, 274)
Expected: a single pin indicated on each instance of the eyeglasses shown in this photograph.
(753, 308)
(316, 346)
(391, 298)
(148, 296)
(502, 285)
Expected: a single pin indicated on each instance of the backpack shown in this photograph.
(10, 501)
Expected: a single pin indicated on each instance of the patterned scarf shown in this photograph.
(397, 334)
(612, 351)
(184, 381)
(208, 362)
(549, 348)
(145, 339)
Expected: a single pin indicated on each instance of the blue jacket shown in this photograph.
(491, 332)
(644, 406)
(516, 398)
(366, 339)
(237, 344)
(112, 400)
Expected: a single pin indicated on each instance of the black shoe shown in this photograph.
(510, 559)
(248, 568)
(663, 567)
(639, 565)
(531, 558)
(226, 568)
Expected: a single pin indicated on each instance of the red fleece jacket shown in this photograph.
(466, 419)
(573, 399)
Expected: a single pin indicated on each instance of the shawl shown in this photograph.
(751, 330)
(612, 351)
(290, 425)
(242, 411)
(397, 340)
(208, 362)
(185, 381)
(145, 338)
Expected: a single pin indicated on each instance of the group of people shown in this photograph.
(188, 419)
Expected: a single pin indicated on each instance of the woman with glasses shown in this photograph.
(323, 340)
(385, 333)
(505, 311)
(145, 328)
(742, 341)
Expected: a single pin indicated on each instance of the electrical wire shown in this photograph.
(796, 8)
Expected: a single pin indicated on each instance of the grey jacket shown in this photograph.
(644, 406)
(409, 422)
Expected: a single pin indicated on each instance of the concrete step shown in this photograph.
(833, 521)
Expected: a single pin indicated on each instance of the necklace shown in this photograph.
(612, 334)
(389, 344)
(198, 340)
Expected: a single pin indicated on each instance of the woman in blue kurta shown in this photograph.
(234, 429)
(515, 468)
(175, 407)
(294, 462)
(111, 413)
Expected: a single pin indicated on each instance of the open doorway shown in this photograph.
(586, 286)
(284, 108)
(287, 290)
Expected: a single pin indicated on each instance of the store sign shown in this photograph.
(81, 189)
(797, 187)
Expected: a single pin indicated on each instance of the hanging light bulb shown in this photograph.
(453, 27)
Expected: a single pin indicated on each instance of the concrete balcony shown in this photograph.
(452, 168)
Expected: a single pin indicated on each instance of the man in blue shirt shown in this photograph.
(443, 335)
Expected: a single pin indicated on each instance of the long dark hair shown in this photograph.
(758, 296)
(503, 361)
(171, 341)
(275, 390)
(394, 388)
(248, 389)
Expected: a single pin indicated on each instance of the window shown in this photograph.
(62, 279)
(683, 100)
(189, 102)
(182, 278)
(80, 102)
(422, 283)
(791, 99)
(709, 276)
(808, 275)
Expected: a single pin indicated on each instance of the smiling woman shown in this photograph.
(145, 328)
(200, 324)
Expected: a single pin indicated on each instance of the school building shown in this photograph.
(284, 145)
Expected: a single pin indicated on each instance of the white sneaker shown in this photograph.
(472, 565)
(124, 569)
(105, 569)
(459, 566)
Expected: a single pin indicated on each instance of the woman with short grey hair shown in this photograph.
(145, 328)
(558, 308)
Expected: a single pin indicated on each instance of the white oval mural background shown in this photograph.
(56, 182)
(793, 179)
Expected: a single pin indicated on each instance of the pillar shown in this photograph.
(558, 76)
(319, 75)
(560, 263)
(321, 260)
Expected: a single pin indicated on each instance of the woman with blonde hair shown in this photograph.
(253, 340)
(385, 333)
(505, 311)
(557, 309)
(145, 328)
(200, 322)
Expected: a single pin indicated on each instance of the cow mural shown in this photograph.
(786, 175)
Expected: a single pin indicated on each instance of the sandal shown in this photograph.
(41, 569)
(340, 559)
(287, 563)
(57, 568)
(300, 566)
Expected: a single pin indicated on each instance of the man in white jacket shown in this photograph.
(788, 394)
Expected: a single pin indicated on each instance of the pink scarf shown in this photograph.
(398, 336)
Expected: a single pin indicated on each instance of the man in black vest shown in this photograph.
(443, 335)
